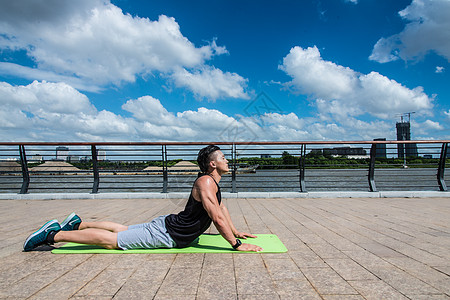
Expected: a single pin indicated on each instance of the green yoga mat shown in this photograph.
(206, 243)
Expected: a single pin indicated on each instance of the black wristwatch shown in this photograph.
(238, 243)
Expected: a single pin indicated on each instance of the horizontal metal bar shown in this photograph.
(219, 143)
(130, 188)
(61, 188)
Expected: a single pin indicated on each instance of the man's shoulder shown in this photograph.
(205, 184)
(205, 181)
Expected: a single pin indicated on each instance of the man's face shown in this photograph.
(221, 162)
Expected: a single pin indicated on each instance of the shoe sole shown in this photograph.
(67, 220)
(43, 228)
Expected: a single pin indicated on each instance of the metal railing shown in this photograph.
(254, 166)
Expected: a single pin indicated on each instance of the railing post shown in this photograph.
(441, 168)
(233, 171)
(371, 175)
(301, 165)
(95, 170)
(165, 174)
(25, 173)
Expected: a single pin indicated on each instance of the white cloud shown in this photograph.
(447, 113)
(427, 30)
(149, 109)
(54, 111)
(290, 120)
(93, 43)
(342, 92)
(40, 98)
(382, 96)
(209, 82)
(423, 129)
(433, 125)
(36, 74)
(312, 75)
(439, 69)
(44, 111)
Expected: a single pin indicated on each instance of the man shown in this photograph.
(176, 230)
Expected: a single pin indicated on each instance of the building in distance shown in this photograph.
(357, 152)
(62, 153)
(404, 134)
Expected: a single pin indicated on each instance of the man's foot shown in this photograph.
(72, 222)
(40, 237)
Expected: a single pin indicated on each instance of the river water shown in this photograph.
(410, 179)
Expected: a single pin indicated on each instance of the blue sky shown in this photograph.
(95, 70)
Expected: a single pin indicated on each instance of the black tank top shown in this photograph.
(189, 224)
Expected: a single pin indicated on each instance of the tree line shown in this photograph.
(314, 159)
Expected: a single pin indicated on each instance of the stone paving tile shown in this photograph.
(282, 269)
(296, 295)
(286, 287)
(23, 281)
(75, 279)
(349, 269)
(338, 249)
(178, 297)
(424, 273)
(145, 282)
(258, 296)
(217, 280)
(431, 248)
(189, 260)
(326, 250)
(327, 282)
(181, 281)
(343, 297)
(403, 282)
(429, 297)
(107, 283)
(367, 259)
(381, 250)
(306, 258)
(376, 290)
(34, 282)
(252, 277)
(443, 269)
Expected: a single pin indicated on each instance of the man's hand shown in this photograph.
(244, 235)
(249, 247)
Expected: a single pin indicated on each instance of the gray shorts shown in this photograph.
(146, 236)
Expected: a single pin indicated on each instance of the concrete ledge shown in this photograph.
(415, 194)
(287, 195)
(252, 195)
(265, 195)
(339, 194)
(176, 195)
(229, 195)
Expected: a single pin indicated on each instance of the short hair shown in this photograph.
(205, 156)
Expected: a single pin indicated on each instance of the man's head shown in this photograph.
(206, 155)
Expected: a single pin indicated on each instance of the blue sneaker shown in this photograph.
(72, 222)
(40, 237)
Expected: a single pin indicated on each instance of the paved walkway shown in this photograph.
(363, 248)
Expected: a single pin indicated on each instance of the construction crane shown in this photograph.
(403, 134)
(408, 114)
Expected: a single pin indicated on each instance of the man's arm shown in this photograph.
(206, 190)
(242, 235)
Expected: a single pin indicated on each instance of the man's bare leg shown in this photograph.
(90, 236)
(103, 233)
(105, 225)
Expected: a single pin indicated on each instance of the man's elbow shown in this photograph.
(219, 222)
